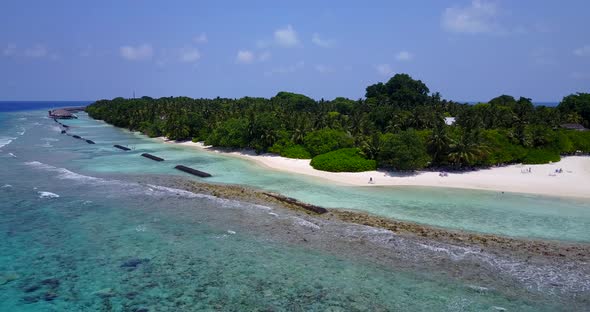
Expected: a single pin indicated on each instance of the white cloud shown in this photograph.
(245, 57)
(286, 37)
(36, 51)
(323, 69)
(286, 69)
(384, 69)
(324, 43)
(189, 55)
(202, 38)
(9, 50)
(583, 51)
(264, 56)
(479, 17)
(137, 53)
(403, 56)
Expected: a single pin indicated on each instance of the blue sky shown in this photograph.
(467, 50)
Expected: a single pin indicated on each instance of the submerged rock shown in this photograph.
(133, 263)
(31, 299)
(131, 295)
(51, 282)
(49, 296)
(31, 288)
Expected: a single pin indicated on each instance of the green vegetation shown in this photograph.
(399, 125)
(327, 140)
(404, 150)
(343, 160)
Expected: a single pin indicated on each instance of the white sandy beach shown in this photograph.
(574, 181)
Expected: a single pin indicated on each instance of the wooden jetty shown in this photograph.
(90, 142)
(122, 147)
(152, 157)
(193, 171)
(77, 136)
(293, 201)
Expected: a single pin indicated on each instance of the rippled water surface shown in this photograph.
(77, 233)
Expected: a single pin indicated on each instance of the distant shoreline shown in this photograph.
(542, 180)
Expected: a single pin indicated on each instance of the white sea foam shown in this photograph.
(66, 174)
(22, 131)
(6, 186)
(12, 155)
(478, 288)
(5, 141)
(49, 139)
(39, 165)
(47, 195)
(305, 223)
(231, 232)
(273, 214)
(161, 190)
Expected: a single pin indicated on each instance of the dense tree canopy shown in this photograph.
(576, 108)
(399, 125)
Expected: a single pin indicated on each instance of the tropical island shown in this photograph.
(400, 125)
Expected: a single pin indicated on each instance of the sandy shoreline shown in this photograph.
(574, 181)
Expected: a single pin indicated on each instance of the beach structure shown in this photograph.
(193, 171)
(121, 147)
(76, 136)
(574, 126)
(449, 121)
(152, 157)
(90, 142)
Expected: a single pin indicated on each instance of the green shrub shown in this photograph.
(404, 151)
(541, 156)
(580, 140)
(295, 151)
(327, 140)
(343, 160)
(502, 150)
(230, 133)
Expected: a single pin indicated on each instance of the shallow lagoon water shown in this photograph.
(106, 243)
(517, 215)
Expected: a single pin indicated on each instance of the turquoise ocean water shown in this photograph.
(77, 233)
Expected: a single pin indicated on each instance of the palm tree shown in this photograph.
(438, 143)
(467, 150)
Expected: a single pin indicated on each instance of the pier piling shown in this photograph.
(152, 157)
(193, 171)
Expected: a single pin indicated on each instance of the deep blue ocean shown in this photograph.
(86, 227)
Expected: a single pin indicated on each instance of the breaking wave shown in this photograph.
(5, 141)
(47, 195)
